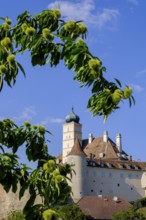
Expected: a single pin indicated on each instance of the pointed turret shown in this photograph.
(77, 149)
(77, 158)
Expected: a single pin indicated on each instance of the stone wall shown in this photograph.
(10, 201)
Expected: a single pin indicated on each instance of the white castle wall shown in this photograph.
(143, 180)
(78, 182)
(114, 182)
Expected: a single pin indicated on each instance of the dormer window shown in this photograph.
(101, 155)
(111, 165)
(121, 166)
(102, 164)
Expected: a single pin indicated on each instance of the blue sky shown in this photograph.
(117, 35)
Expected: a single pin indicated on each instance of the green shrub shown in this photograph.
(139, 203)
(70, 212)
(16, 215)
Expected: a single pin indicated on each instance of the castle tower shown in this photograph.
(77, 159)
(72, 129)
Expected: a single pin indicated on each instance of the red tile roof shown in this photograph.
(102, 207)
(111, 157)
(109, 149)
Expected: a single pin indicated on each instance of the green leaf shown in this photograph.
(14, 183)
(118, 82)
(1, 82)
(21, 68)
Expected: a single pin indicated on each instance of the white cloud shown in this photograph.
(26, 114)
(136, 88)
(134, 2)
(85, 10)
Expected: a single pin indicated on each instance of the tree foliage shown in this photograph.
(48, 39)
(48, 180)
(130, 214)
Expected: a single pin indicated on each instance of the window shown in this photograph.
(110, 174)
(100, 191)
(91, 190)
(118, 184)
(129, 175)
(131, 188)
(103, 174)
(94, 173)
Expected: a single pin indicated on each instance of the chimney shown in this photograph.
(105, 136)
(130, 157)
(90, 138)
(118, 142)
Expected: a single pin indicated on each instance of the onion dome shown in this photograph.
(72, 117)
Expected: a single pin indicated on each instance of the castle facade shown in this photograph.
(102, 167)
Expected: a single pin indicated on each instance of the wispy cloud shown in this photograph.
(26, 114)
(86, 10)
(49, 120)
(136, 88)
(56, 120)
(141, 73)
(134, 2)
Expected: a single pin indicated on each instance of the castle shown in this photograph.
(102, 167)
